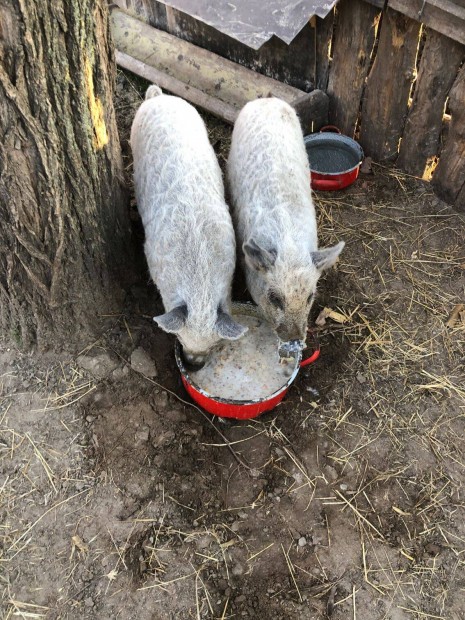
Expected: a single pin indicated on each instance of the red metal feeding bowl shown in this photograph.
(334, 159)
(239, 409)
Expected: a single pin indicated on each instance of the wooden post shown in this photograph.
(388, 86)
(352, 48)
(312, 110)
(449, 176)
(324, 34)
(439, 64)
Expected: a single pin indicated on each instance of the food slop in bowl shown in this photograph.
(246, 377)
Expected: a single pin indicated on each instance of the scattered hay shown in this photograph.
(366, 459)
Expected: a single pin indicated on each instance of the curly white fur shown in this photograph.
(190, 244)
(269, 180)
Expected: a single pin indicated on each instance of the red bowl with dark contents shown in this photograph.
(240, 409)
(334, 159)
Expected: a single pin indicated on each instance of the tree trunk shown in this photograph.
(64, 228)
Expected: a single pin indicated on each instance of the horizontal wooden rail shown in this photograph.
(176, 87)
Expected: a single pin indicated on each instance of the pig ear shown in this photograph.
(173, 321)
(226, 327)
(257, 257)
(323, 259)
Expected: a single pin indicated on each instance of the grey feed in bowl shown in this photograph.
(332, 153)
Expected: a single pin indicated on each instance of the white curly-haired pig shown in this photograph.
(189, 236)
(269, 181)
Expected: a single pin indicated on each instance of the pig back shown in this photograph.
(269, 174)
(173, 158)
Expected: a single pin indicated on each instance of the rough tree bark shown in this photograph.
(64, 232)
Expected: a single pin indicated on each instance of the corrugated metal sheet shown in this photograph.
(253, 22)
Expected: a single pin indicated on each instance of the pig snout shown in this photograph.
(194, 361)
(293, 332)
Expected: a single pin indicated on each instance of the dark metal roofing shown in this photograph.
(253, 22)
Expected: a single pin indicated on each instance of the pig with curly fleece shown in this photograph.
(189, 236)
(269, 181)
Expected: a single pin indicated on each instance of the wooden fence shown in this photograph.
(393, 69)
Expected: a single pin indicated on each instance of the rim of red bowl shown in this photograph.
(251, 310)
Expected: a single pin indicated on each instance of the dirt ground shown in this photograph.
(120, 500)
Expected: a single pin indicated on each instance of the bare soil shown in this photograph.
(122, 500)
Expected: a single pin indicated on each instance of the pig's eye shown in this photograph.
(276, 300)
(310, 299)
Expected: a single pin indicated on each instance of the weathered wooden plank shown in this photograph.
(378, 3)
(142, 9)
(388, 86)
(460, 200)
(439, 64)
(190, 64)
(444, 16)
(176, 87)
(312, 108)
(324, 35)
(449, 176)
(353, 44)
